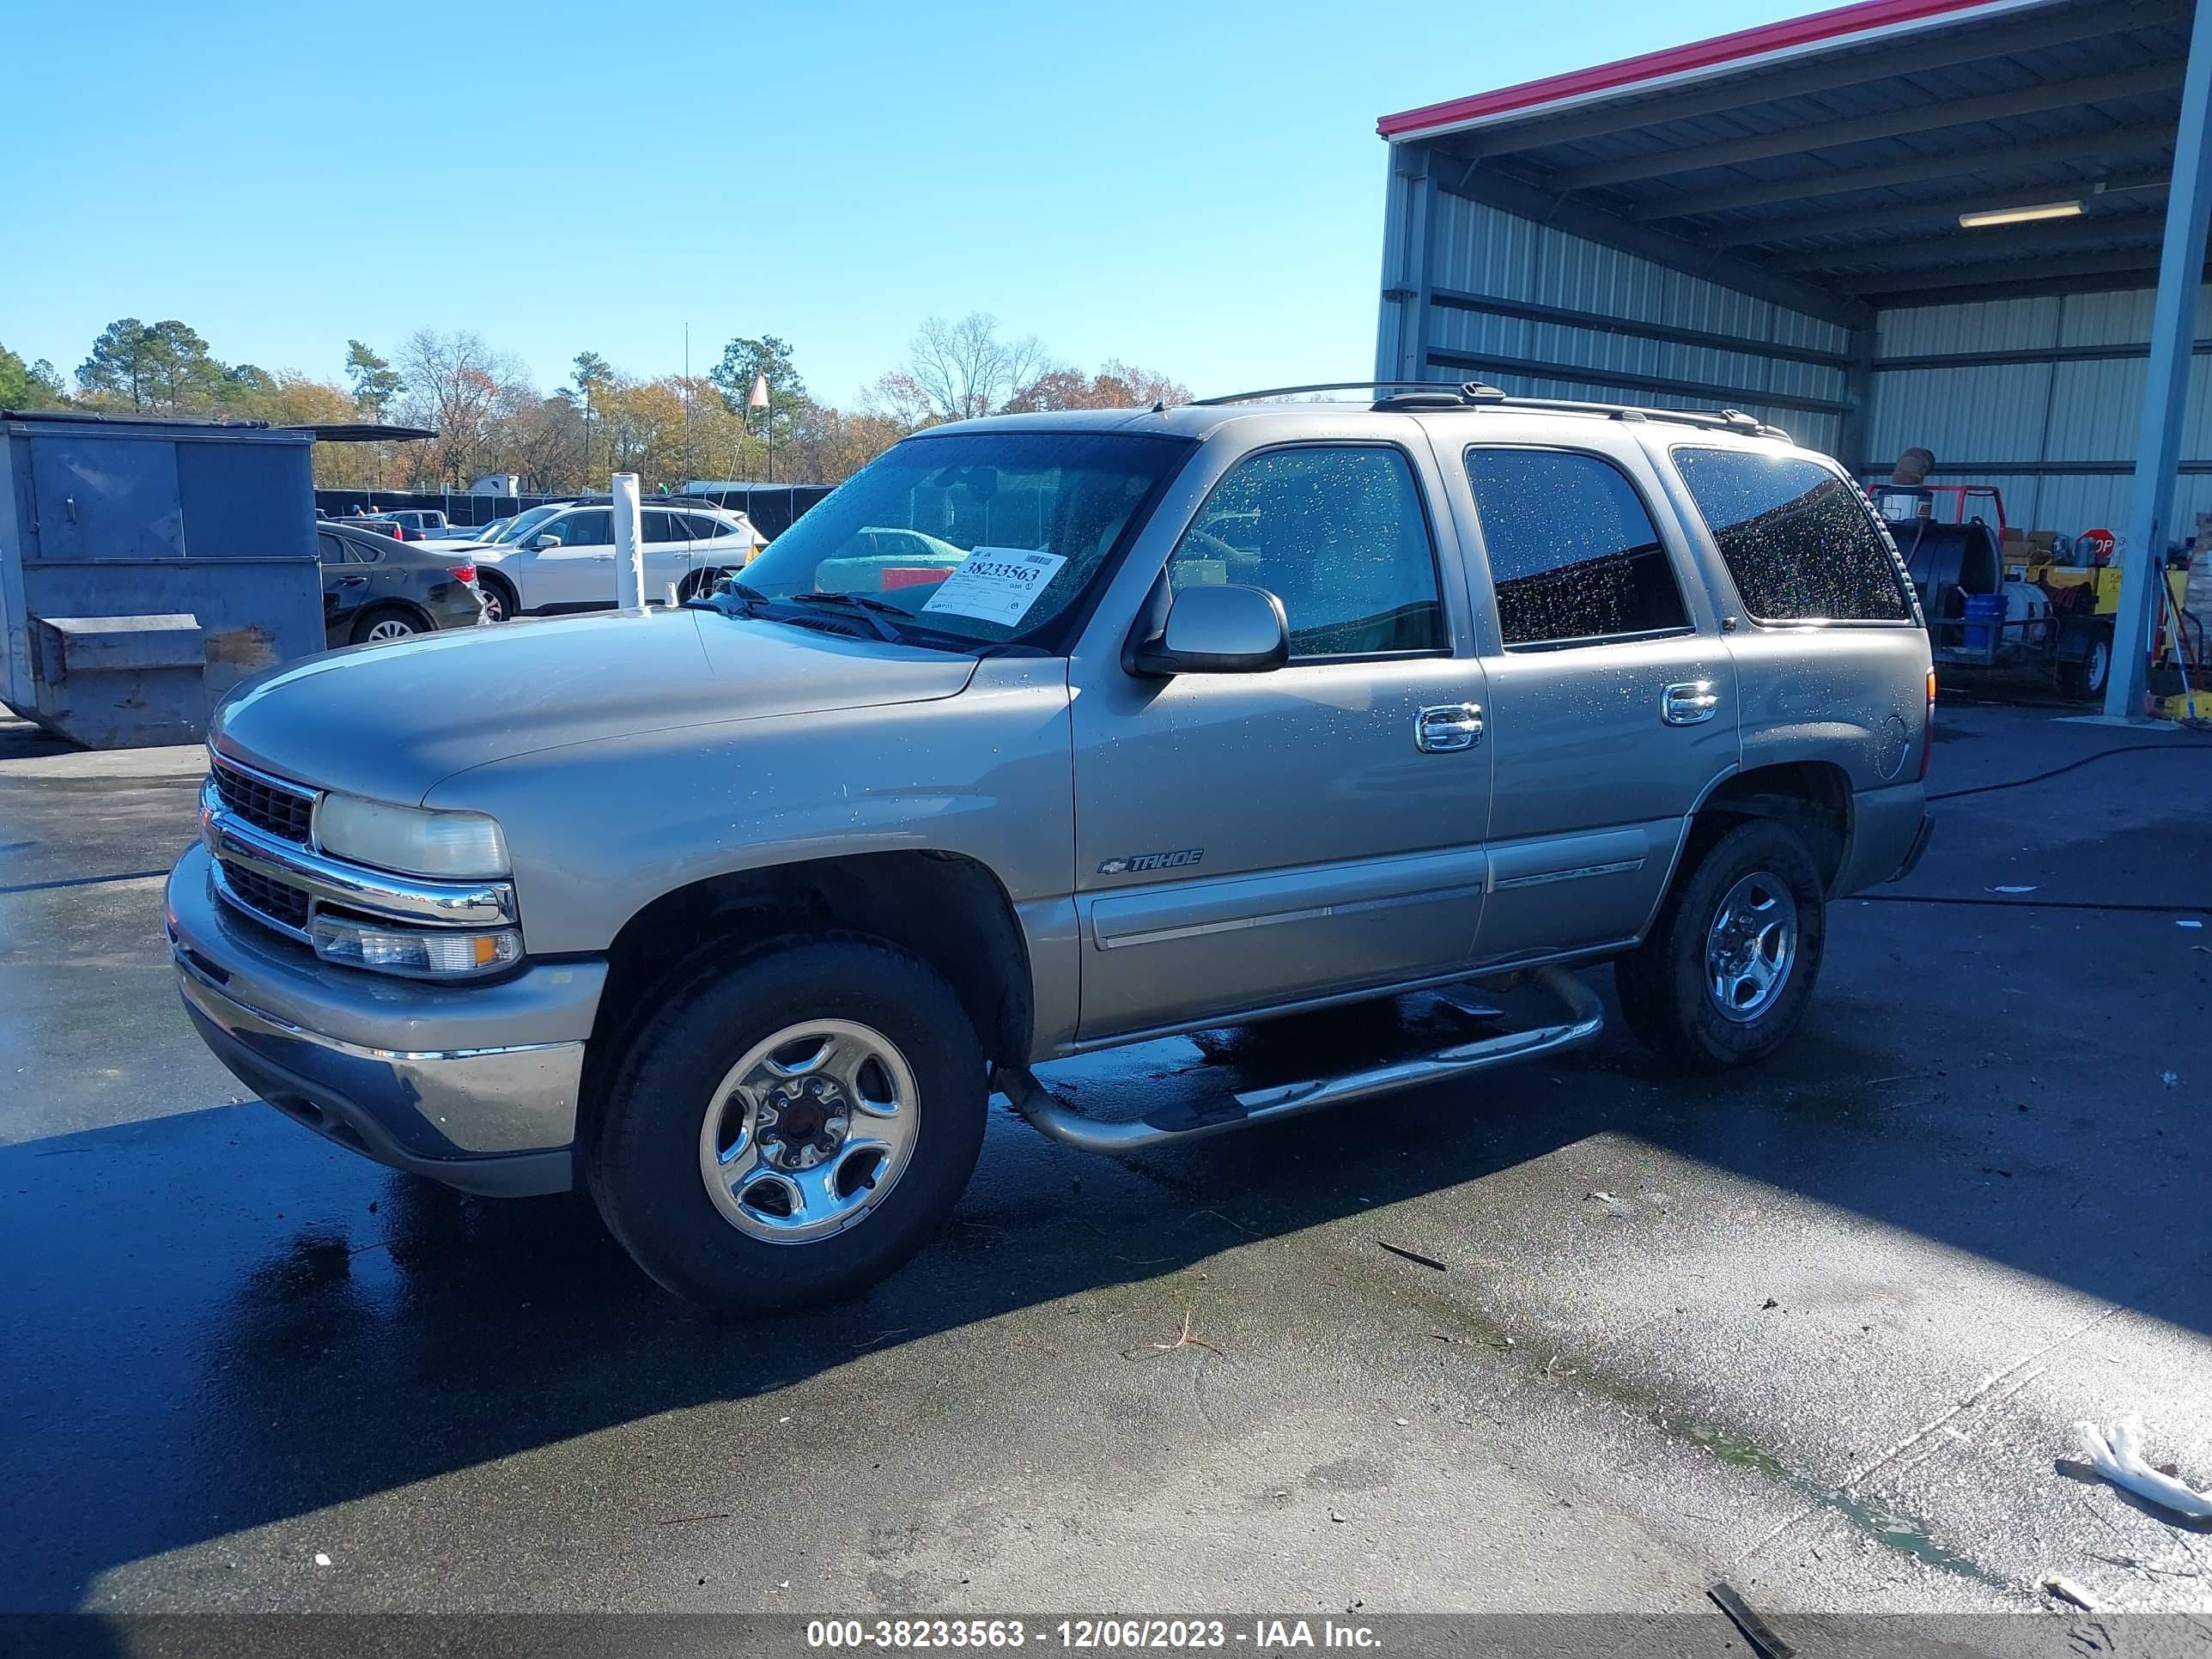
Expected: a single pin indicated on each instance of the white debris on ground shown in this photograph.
(2119, 1459)
(2067, 1590)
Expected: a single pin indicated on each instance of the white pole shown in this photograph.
(630, 547)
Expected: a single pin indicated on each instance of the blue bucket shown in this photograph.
(1984, 612)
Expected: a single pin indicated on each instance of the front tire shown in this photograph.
(790, 1128)
(698, 583)
(1731, 962)
(499, 600)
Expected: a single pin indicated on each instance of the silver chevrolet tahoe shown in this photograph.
(1047, 734)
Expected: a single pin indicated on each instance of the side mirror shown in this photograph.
(1217, 631)
(540, 543)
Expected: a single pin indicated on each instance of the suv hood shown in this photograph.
(390, 721)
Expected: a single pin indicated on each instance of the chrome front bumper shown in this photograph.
(475, 1085)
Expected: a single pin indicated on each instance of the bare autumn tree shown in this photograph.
(542, 443)
(460, 387)
(965, 370)
(897, 398)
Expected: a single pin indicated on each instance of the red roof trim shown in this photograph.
(1795, 32)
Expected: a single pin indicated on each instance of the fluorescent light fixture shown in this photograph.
(2020, 216)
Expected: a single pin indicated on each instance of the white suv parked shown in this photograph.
(567, 562)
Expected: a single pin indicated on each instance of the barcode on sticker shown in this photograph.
(996, 584)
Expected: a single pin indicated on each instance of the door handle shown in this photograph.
(353, 582)
(1693, 702)
(1447, 727)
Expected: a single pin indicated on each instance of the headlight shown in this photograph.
(417, 952)
(409, 839)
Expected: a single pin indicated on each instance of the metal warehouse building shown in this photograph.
(1977, 226)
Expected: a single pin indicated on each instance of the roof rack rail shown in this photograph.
(1727, 420)
(1477, 394)
(1447, 387)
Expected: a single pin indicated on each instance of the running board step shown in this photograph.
(1585, 1017)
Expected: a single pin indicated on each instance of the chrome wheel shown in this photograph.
(392, 627)
(1752, 946)
(809, 1131)
(495, 606)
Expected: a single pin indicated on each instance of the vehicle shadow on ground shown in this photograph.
(194, 1355)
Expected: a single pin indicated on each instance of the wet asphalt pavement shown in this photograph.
(1819, 1328)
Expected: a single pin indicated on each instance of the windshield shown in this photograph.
(522, 523)
(987, 536)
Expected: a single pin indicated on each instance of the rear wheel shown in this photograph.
(386, 621)
(790, 1128)
(1730, 964)
(2085, 678)
(698, 583)
(499, 602)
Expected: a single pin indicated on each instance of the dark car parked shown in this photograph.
(376, 588)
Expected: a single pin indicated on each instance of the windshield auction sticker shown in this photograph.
(996, 584)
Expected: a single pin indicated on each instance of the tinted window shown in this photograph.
(664, 528)
(1800, 541)
(1573, 554)
(1337, 534)
(330, 549)
(590, 529)
(706, 529)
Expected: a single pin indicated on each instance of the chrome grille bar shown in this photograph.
(326, 881)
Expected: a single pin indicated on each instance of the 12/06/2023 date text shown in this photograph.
(1087, 1635)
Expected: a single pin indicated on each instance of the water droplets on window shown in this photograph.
(1573, 554)
(1799, 540)
(1336, 532)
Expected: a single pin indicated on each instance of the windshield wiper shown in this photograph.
(875, 612)
(736, 599)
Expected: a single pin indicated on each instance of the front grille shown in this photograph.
(275, 807)
(273, 901)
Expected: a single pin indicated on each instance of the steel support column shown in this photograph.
(1401, 333)
(2166, 387)
(1855, 432)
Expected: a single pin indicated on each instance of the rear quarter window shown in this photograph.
(1799, 541)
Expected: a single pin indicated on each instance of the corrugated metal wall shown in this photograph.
(1483, 252)
(2057, 436)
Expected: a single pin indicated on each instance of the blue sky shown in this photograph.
(1194, 188)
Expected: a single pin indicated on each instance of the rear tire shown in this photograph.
(1732, 961)
(2085, 678)
(385, 622)
(737, 1164)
